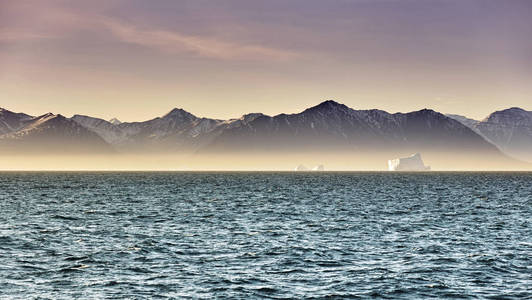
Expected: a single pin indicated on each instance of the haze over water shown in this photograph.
(265, 235)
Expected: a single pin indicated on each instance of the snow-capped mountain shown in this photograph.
(509, 129)
(50, 133)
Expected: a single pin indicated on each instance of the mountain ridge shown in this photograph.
(327, 126)
(49, 133)
(509, 129)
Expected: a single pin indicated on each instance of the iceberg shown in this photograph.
(301, 168)
(318, 168)
(411, 163)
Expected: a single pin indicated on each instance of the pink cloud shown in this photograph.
(35, 20)
(7, 35)
(175, 42)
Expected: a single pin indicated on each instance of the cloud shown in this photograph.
(175, 42)
(7, 35)
(59, 21)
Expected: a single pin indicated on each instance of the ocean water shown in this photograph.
(265, 235)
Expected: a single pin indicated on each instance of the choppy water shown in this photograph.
(265, 235)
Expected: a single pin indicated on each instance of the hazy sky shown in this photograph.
(138, 59)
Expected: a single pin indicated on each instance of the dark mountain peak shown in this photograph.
(514, 109)
(4, 111)
(46, 115)
(330, 102)
(426, 112)
(509, 115)
(510, 111)
(251, 116)
(428, 118)
(328, 106)
(511, 130)
(179, 114)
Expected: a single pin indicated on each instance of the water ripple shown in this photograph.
(265, 235)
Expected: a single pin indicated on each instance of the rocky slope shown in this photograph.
(510, 130)
(49, 134)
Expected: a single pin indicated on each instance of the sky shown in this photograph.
(138, 59)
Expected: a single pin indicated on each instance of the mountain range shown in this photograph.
(329, 126)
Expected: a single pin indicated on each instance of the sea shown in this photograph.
(265, 235)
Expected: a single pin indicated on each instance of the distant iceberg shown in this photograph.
(301, 168)
(318, 168)
(411, 163)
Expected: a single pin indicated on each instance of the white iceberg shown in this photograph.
(318, 168)
(411, 163)
(301, 168)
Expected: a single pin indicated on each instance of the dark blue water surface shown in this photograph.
(265, 235)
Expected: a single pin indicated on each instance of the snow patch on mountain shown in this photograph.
(115, 121)
(107, 130)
